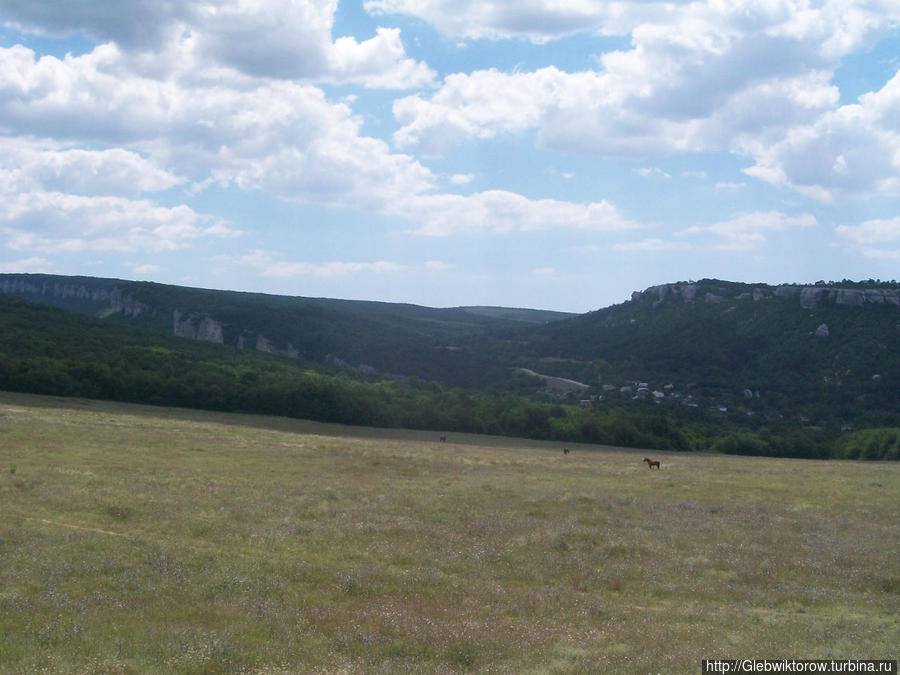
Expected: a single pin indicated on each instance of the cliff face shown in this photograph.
(808, 297)
(197, 327)
(73, 294)
(104, 297)
(816, 296)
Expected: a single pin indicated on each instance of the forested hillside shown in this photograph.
(388, 339)
(823, 355)
(783, 370)
(47, 350)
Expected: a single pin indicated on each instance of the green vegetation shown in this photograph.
(389, 338)
(711, 365)
(144, 539)
(758, 359)
(872, 444)
(49, 351)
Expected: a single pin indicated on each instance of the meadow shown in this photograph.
(139, 539)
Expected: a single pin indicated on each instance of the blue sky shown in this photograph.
(537, 153)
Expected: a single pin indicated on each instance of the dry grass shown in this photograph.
(135, 539)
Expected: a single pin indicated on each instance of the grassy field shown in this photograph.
(139, 539)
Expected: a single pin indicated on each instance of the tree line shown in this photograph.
(45, 350)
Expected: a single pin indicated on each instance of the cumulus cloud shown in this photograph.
(187, 95)
(877, 238)
(53, 222)
(130, 23)
(145, 269)
(29, 165)
(535, 20)
(754, 79)
(647, 102)
(748, 230)
(56, 199)
(651, 171)
(30, 265)
(270, 264)
(480, 105)
(852, 151)
(835, 26)
(503, 212)
(651, 245)
(297, 42)
(279, 136)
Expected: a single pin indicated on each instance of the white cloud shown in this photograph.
(29, 165)
(54, 222)
(31, 265)
(55, 200)
(145, 269)
(881, 253)
(378, 62)
(131, 23)
(438, 266)
(479, 105)
(297, 42)
(872, 231)
(535, 20)
(852, 151)
(278, 136)
(271, 265)
(750, 78)
(499, 211)
(878, 238)
(655, 99)
(647, 172)
(81, 98)
(748, 230)
(650, 245)
(835, 27)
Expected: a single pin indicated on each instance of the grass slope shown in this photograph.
(137, 539)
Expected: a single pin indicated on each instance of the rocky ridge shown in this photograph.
(113, 298)
(809, 297)
(104, 300)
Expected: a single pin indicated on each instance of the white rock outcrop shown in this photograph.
(197, 327)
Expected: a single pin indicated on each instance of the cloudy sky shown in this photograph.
(537, 153)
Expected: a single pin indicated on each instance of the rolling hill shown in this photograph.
(712, 356)
(822, 354)
(387, 339)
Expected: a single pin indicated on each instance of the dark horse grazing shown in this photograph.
(651, 462)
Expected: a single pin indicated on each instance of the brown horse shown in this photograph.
(565, 451)
(651, 462)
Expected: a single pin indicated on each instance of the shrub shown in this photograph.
(872, 444)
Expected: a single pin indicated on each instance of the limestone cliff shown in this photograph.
(197, 327)
(63, 294)
(808, 297)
